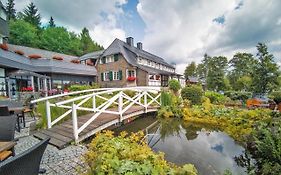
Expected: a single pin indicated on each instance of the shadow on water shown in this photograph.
(210, 150)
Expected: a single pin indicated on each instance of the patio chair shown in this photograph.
(27, 162)
(7, 129)
(4, 111)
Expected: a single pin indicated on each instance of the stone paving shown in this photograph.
(66, 161)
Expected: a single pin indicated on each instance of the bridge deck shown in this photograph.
(62, 134)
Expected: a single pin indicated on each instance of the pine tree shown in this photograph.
(10, 8)
(52, 22)
(31, 15)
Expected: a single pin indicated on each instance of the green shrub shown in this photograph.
(193, 93)
(215, 97)
(166, 99)
(128, 155)
(276, 96)
(236, 95)
(82, 87)
(174, 85)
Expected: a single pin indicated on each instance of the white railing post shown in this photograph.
(48, 114)
(94, 102)
(74, 122)
(120, 105)
(145, 101)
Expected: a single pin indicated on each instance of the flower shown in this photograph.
(57, 58)
(4, 46)
(19, 52)
(131, 78)
(34, 56)
(28, 88)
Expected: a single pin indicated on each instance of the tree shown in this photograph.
(242, 65)
(23, 33)
(202, 68)
(10, 8)
(174, 85)
(244, 83)
(216, 68)
(265, 77)
(87, 44)
(55, 39)
(31, 15)
(190, 70)
(52, 22)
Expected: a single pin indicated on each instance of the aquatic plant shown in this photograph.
(128, 155)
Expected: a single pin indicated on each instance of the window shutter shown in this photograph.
(102, 77)
(115, 57)
(120, 74)
(110, 75)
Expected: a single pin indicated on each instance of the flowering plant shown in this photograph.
(28, 88)
(34, 56)
(75, 61)
(4, 46)
(58, 58)
(19, 52)
(131, 78)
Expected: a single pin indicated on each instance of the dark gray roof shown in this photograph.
(118, 46)
(131, 54)
(43, 65)
(44, 53)
(93, 55)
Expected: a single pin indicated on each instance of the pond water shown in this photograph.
(210, 150)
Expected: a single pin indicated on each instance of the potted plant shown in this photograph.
(4, 46)
(19, 52)
(131, 78)
(34, 56)
(75, 61)
(58, 58)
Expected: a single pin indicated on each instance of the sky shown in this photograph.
(180, 31)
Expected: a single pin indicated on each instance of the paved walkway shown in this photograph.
(65, 161)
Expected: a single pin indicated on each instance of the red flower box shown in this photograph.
(19, 52)
(34, 56)
(29, 88)
(4, 46)
(131, 78)
(58, 58)
(75, 61)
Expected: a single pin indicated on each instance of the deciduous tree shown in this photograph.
(190, 70)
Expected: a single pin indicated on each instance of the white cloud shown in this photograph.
(183, 30)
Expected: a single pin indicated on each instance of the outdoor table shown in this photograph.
(6, 146)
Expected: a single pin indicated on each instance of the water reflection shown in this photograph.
(212, 152)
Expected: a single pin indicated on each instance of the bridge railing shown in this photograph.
(108, 98)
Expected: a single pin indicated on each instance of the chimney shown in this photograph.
(130, 41)
(139, 45)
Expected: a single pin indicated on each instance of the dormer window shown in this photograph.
(140, 61)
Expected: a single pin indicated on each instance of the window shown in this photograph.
(116, 75)
(140, 61)
(109, 59)
(131, 73)
(106, 76)
(148, 62)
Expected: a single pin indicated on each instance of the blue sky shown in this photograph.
(180, 31)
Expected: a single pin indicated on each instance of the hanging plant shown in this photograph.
(4, 47)
(131, 78)
(75, 61)
(58, 58)
(35, 56)
(19, 52)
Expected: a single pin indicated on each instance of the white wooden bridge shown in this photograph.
(87, 112)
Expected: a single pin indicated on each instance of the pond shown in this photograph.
(210, 150)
